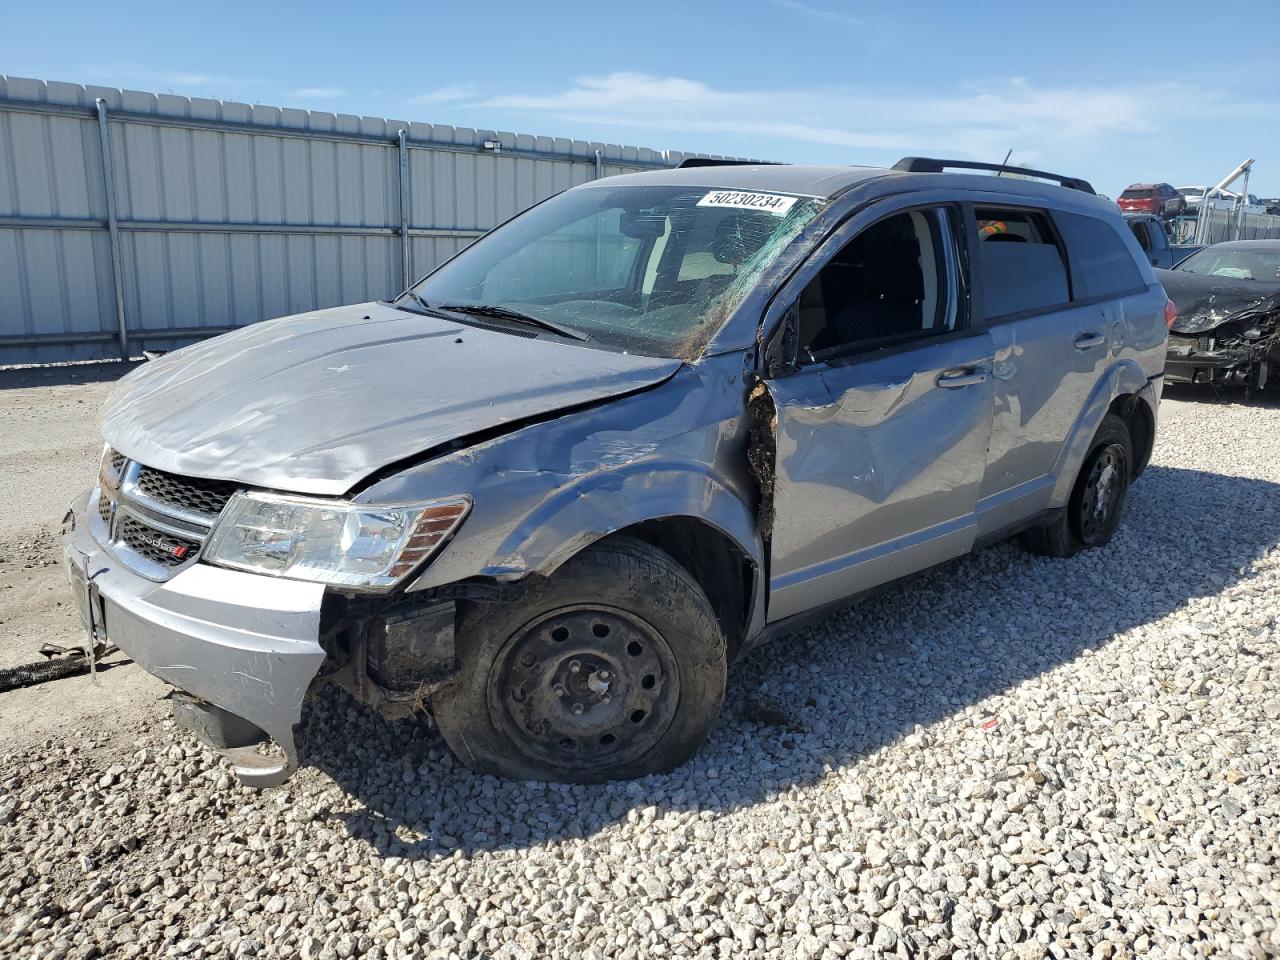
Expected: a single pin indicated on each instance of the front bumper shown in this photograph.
(245, 643)
(1222, 356)
(1249, 367)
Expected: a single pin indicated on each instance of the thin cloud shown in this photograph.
(319, 93)
(982, 120)
(153, 77)
(447, 94)
(836, 16)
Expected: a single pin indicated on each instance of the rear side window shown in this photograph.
(1023, 269)
(1104, 266)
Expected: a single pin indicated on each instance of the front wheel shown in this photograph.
(611, 668)
(1093, 512)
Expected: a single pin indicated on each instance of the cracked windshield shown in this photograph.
(649, 270)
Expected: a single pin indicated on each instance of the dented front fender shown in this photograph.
(544, 491)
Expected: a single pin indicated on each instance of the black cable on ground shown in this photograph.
(42, 671)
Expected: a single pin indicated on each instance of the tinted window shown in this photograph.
(1104, 263)
(1022, 266)
(894, 282)
(1136, 195)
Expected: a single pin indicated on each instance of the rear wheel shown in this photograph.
(612, 668)
(1093, 512)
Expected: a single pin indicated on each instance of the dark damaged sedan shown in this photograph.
(554, 489)
(1228, 325)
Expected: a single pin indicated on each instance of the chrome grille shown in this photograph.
(104, 506)
(206, 497)
(153, 521)
(156, 545)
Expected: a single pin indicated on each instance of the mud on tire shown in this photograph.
(613, 667)
(1082, 525)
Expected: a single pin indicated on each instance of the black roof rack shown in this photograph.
(930, 165)
(688, 162)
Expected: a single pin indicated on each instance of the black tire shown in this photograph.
(1093, 511)
(623, 635)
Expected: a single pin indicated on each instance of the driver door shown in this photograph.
(883, 422)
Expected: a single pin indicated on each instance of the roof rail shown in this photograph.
(688, 162)
(930, 165)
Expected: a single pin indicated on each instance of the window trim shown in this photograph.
(979, 280)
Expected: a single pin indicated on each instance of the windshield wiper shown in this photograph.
(515, 316)
(432, 311)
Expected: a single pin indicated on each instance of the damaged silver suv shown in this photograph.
(551, 491)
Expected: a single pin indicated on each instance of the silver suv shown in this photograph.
(554, 489)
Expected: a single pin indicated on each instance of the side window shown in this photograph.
(1104, 264)
(1140, 232)
(894, 282)
(1022, 267)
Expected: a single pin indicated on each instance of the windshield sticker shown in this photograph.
(774, 203)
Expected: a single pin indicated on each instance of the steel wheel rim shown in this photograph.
(584, 684)
(1101, 492)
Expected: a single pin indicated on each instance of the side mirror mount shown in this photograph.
(780, 353)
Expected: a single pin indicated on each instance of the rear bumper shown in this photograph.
(245, 643)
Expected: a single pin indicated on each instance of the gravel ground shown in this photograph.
(1015, 757)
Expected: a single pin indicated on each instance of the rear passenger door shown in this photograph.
(1047, 354)
(1053, 332)
(883, 410)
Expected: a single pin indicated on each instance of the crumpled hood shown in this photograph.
(1207, 302)
(315, 403)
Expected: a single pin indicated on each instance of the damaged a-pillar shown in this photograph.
(762, 450)
(762, 416)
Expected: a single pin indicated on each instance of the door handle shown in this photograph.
(962, 378)
(1087, 341)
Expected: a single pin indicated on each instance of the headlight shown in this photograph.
(346, 544)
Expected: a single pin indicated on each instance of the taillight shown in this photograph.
(1170, 313)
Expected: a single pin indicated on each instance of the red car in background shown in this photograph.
(1160, 199)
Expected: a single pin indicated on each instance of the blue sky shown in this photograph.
(1109, 91)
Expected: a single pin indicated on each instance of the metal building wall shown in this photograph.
(228, 213)
(1227, 224)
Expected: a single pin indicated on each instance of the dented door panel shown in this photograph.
(878, 469)
(1040, 380)
(1045, 370)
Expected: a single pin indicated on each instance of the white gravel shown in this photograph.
(1016, 757)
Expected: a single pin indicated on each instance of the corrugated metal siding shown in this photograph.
(222, 225)
(1226, 224)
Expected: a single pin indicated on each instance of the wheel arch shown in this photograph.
(699, 519)
(1122, 385)
(727, 575)
(1137, 415)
